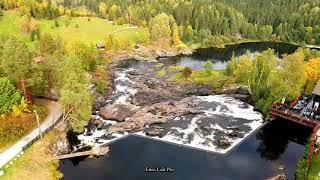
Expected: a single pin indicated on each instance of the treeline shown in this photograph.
(212, 21)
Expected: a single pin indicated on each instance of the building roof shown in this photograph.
(100, 45)
(38, 59)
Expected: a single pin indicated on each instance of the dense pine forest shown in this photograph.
(209, 22)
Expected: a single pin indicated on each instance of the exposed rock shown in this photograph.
(236, 135)
(158, 113)
(186, 51)
(235, 89)
(117, 112)
(61, 145)
(98, 123)
(154, 131)
(125, 126)
(223, 143)
(99, 103)
(90, 129)
(278, 177)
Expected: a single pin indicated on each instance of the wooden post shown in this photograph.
(39, 129)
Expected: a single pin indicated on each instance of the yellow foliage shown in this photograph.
(312, 69)
(312, 73)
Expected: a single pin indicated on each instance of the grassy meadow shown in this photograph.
(87, 30)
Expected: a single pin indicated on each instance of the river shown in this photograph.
(260, 154)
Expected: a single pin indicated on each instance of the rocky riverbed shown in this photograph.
(145, 104)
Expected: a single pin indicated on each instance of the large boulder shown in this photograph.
(128, 125)
(118, 112)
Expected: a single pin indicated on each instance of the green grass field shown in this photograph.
(72, 29)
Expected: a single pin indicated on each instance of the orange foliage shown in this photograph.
(13, 128)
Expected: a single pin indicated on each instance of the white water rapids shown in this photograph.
(220, 115)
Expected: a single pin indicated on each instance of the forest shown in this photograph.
(230, 20)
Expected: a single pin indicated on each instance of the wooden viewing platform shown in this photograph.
(286, 114)
(100, 151)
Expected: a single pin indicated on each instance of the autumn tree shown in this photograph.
(160, 29)
(189, 34)
(47, 45)
(289, 80)
(28, 25)
(312, 70)
(175, 35)
(16, 62)
(74, 96)
(108, 42)
(102, 10)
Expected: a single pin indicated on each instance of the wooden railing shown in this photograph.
(286, 114)
(312, 145)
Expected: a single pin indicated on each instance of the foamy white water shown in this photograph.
(227, 108)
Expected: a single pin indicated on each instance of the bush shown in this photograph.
(101, 87)
(56, 23)
(186, 72)
(9, 96)
(12, 128)
(301, 169)
(161, 73)
(175, 68)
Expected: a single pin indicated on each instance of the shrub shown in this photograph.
(56, 23)
(101, 87)
(186, 72)
(175, 68)
(9, 96)
(161, 73)
(208, 67)
(12, 128)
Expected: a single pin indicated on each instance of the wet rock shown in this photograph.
(98, 123)
(125, 126)
(236, 89)
(197, 90)
(154, 131)
(186, 51)
(239, 92)
(206, 130)
(223, 143)
(108, 137)
(99, 103)
(278, 177)
(90, 129)
(117, 112)
(236, 135)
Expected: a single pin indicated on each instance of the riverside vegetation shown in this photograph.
(63, 34)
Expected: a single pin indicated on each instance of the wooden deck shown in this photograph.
(286, 113)
(101, 151)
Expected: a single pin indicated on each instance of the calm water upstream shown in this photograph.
(258, 157)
